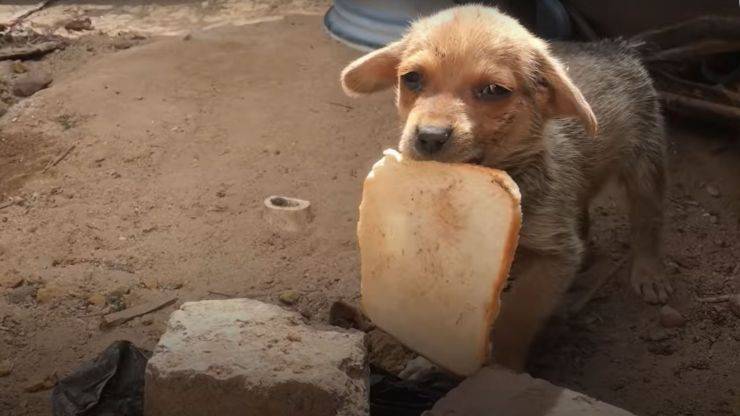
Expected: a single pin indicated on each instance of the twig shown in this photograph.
(28, 13)
(90, 315)
(348, 107)
(125, 315)
(59, 158)
(588, 297)
(702, 28)
(715, 299)
(686, 87)
(695, 50)
(226, 295)
(700, 108)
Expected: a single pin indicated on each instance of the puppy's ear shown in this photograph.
(373, 72)
(564, 98)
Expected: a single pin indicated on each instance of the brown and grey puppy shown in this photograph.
(474, 86)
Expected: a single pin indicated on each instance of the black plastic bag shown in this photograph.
(112, 385)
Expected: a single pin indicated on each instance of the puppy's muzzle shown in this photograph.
(431, 139)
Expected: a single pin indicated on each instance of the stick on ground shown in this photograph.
(59, 158)
(125, 315)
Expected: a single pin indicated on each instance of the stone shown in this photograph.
(30, 83)
(713, 191)
(96, 299)
(289, 297)
(497, 391)
(671, 318)
(79, 24)
(242, 356)
(50, 293)
(6, 367)
(11, 280)
(386, 353)
(18, 67)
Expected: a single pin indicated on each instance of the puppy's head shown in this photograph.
(471, 85)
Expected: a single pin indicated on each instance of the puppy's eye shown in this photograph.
(492, 92)
(412, 80)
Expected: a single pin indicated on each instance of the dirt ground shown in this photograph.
(177, 141)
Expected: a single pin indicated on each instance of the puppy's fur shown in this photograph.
(541, 127)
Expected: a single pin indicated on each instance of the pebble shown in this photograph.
(96, 299)
(18, 67)
(659, 334)
(671, 318)
(123, 43)
(713, 191)
(31, 83)
(289, 297)
(6, 367)
(735, 305)
(79, 24)
(45, 384)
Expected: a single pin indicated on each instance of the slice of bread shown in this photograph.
(436, 243)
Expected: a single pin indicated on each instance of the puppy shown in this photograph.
(474, 86)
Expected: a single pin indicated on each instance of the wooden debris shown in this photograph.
(715, 299)
(59, 158)
(700, 108)
(45, 384)
(126, 315)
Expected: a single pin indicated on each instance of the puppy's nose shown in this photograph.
(430, 139)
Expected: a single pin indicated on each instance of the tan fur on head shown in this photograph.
(372, 72)
(458, 52)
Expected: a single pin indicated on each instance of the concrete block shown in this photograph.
(497, 391)
(245, 357)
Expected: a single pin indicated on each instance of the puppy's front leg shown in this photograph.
(538, 284)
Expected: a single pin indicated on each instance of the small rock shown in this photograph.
(96, 299)
(47, 383)
(123, 43)
(187, 37)
(672, 267)
(671, 318)
(11, 281)
(346, 316)
(30, 83)
(147, 320)
(661, 349)
(713, 191)
(79, 24)
(18, 67)
(6, 367)
(386, 353)
(3, 108)
(659, 334)
(735, 305)
(49, 294)
(289, 297)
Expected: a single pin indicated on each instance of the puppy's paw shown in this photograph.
(649, 281)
